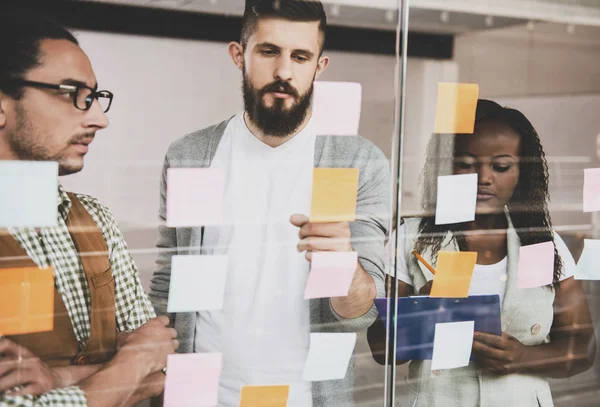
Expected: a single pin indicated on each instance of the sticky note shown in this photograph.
(29, 194)
(536, 265)
(26, 300)
(588, 266)
(193, 379)
(197, 283)
(334, 195)
(336, 108)
(456, 199)
(195, 196)
(456, 106)
(591, 189)
(453, 273)
(330, 274)
(328, 356)
(264, 396)
(452, 344)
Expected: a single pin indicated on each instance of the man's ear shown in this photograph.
(3, 107)
(236, 52)
(322, 64)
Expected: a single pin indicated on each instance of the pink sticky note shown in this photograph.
(330, 274)
(336, 108)
(591, 189)
(536, 265)
(195, 196)
(193, 379)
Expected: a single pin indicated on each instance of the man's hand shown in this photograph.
(151, 386)
(498, 354)
(19, 367)
(321, 237)
(335, 237)
(150, 344)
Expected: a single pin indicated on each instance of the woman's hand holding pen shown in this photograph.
(498, 354)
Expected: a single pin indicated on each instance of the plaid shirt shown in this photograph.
(53, 247)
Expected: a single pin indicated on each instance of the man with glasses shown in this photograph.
(107, 347)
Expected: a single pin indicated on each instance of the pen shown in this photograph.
(422, 260)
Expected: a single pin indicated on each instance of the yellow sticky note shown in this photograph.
(334, 195)
(265, 396)
(453, 274)
(26, 300)
(456, 106)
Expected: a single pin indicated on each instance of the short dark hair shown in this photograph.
(293, 10)
(21, 32)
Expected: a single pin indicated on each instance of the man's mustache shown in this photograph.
(83, 138)
(279, 86)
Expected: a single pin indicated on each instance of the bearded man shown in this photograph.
(268, 153)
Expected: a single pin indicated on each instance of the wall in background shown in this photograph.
(553, 77)
(165, 88)
(517, 62)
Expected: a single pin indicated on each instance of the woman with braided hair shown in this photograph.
(547, 331)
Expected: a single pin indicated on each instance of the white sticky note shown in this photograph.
(197, 283)
(193, 379)
(336, 108)
(331, 274)
(328, 356)
(452, 344)
(588, 266)
(29, 194)
(456, 199)
(591, 189)
(536, 265)
(195, 196)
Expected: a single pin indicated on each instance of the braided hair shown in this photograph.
(528, 205)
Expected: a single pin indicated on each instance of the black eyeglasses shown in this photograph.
(83, 96)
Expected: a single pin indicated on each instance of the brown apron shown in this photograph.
(60, 347)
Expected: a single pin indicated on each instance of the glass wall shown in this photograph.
(446, 182)
(532, 67)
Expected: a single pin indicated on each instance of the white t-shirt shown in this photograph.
(263, 329)
(487, 279)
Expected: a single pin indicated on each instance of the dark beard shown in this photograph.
(22, 143)
(27, 145)
(275, 121)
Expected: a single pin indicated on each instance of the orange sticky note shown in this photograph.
(456, 106)
(453, 274)
(26, 300)
(334, 195)
(265, 396)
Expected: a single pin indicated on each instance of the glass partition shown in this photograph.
(402, 212)
(497, 197)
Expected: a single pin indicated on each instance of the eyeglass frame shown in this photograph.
(71, 88)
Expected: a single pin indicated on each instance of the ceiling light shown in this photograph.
(335, 10)
(390, 16)
(444, 16)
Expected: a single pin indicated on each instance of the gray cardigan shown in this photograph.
(368, 234)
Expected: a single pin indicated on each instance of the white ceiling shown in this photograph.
(438, 16)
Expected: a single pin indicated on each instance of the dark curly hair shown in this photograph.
(529, 204)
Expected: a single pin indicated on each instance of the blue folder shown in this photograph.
(417, 317)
